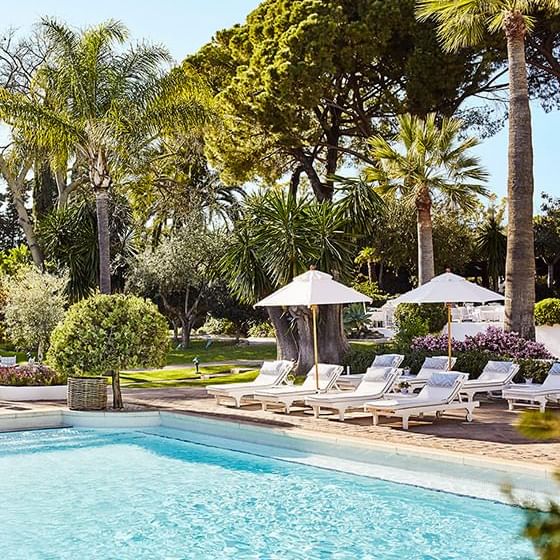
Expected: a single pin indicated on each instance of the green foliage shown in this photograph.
(278, 237)
(491, 243)
(372, 290)
(12, 260)
(35, 304)
(108, 333)
(360, 357)
(414, 320)
(547, 312)
(263, 329)
(287, 78)
(355, 319)
(215, 325)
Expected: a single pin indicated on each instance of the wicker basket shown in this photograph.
(87, 393)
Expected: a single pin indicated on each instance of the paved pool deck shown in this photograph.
(492, 434)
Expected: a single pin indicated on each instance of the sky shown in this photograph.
(185, 25)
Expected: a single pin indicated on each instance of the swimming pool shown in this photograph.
(79, 493)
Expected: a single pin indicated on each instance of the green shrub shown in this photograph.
(109, 333)
(263, 329)
(360, 358)
(434, 314)
(214, 325)
(547, 312)
(371, 289)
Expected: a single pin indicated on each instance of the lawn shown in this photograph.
(185, 377)
(220, 351)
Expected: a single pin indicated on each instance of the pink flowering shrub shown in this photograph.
(30, 375)
(493, 340)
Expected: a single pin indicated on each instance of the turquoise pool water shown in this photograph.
(86, 494)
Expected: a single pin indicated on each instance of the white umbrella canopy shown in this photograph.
(449, 288)
(311, 289)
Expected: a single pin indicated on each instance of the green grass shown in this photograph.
(221, 352)
(183, 377)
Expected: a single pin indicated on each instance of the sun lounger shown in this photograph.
(272, 374)
(535, 393)
(435, 364)
(440, 394)
(495, 376)
(8, 361)
(375, 383)
(383, 360)
(285, 397)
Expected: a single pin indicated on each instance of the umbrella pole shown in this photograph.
(449, 336)
(314, 309)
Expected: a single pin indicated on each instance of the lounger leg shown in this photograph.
(237, 402)
(263, 406)
(375, 419)
(405, 422)
(341, 415)
(510, 404)
(316, 410)
(542, 405)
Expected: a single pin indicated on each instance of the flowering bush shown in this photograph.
(493, 340)
(21, 376)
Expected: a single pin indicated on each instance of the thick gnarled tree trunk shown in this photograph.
(520, 260)
(426, 267)
(101, 182)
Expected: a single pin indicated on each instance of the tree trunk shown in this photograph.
(331, 340)
(286, 345)
(117, 394)
(104, 239)
(45, 191)
(27, 226)
(185, 332)
(550, 274)
(520, 261)
(333, 344)
(380, 275)
(425, 237)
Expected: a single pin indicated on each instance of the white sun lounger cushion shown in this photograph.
(387, 360)
(436, 363)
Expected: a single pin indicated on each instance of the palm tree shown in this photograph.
(424, 160)
(491, 244)
(463, 23)
(104, 106)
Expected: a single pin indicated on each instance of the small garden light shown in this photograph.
(196, 361)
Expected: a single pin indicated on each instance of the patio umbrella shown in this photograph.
(311, 289)
(449, 288)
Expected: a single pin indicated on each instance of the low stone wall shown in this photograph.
(33, 393)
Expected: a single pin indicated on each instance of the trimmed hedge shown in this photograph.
(547, 312)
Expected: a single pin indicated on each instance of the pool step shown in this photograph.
(41, 441)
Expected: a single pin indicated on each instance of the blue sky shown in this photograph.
(184, 25)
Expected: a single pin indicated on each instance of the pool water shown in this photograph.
(86, 494)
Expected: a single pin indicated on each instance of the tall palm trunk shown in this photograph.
(425, 236)
(520, 260)
(103, 237)
(101, 181)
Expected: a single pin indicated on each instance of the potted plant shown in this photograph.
(404, 387)
(547, 321)
(290, 380)
(99, 337)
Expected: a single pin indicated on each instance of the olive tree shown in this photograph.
(35, 304)
(108, 333)
(180, 272)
